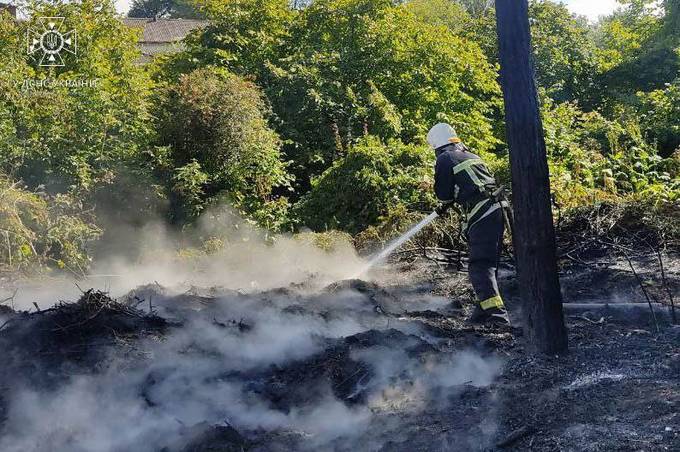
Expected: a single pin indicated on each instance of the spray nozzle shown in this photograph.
(443, 208)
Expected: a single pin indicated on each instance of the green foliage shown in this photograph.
(639, 52)
(646, 174)
(340, 69)
(183, 9)
(592, 158)
(340, 93)
(621, 36)
(477, 8)
(473, 20)
(76, 132)
(368, 183)
(446, 13)
(243, 35)
(38, 230)
(188, 183)
(671, 27)
(73, 137)
(434, 76)
(215, 129)
(357, 67)
(563, 53)
(330, 241)
(660, 116)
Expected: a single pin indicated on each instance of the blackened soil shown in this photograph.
(618, 388)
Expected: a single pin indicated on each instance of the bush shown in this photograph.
(660, 113)
(639, 221)
(330, 241)
(444, 232)
(214, 125)
(595, 159)
(37, 230)
(367, 184)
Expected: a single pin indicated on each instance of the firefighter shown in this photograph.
(463, 178)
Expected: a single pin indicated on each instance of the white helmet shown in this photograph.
(441, 135)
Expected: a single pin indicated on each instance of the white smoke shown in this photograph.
(250, 260)
(207, 369)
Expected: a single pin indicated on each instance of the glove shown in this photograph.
(443, 208)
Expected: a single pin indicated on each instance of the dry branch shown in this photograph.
(515, 435)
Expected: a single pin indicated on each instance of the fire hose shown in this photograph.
(497, 195)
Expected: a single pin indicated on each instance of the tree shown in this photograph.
(41, 230)
(643, 48)
(672, 19)
(534, 234)
(476, 21)
(620, 37)
(215, 126)
(564, 54)
(448, 13)
(183, 9)
(660, 112)
(244, 36)
(73, 137)
(356, 67)
(477, 8)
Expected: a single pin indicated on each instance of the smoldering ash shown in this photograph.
(260, 337)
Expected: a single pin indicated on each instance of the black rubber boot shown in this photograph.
(492, 316)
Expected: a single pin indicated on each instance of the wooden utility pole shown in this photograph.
(534, 233)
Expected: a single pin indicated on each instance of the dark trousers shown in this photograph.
(485, 239)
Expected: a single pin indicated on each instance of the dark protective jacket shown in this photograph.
(462, 177)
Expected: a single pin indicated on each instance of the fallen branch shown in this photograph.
(667, 286)
(594, 322)
(515, 435)
(5, 324)
(632, 313)
(10, 298)
(427, 248)
(644, 290)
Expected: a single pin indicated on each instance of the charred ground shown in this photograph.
(388, 364)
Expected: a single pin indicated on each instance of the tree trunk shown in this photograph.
(534, 233)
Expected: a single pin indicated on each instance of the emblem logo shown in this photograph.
(48, 43)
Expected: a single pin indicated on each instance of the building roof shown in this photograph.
(163, 30)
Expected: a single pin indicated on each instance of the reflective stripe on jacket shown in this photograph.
(463, 177)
